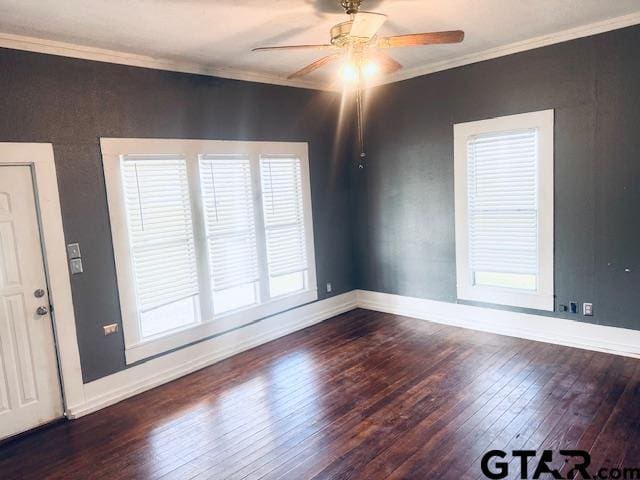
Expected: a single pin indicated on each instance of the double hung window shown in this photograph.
(504, 210)
(208, 236)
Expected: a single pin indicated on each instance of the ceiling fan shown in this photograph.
(356, 42)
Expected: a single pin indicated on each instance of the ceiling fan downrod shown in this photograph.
(351, 6)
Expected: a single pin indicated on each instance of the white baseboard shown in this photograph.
(127, 383)
(559, 331)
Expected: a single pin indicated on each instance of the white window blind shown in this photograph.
(229, 216)
(503, 207)
(283, 215)
(158, 211)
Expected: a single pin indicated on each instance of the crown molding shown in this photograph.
(33, 44)
(516, 47)
(64, 49)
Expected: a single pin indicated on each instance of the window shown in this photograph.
(161, 241)
(284, 224)
(227, 198)
(504, 210)
(208, 236)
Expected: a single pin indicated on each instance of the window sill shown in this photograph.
(508, 297)
(158, 345)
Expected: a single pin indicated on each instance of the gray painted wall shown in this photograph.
(401, 204)
(404, 200)
(71, 103)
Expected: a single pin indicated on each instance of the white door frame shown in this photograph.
(39, 156)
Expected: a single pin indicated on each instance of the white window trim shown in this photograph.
(112, 150)
(543, 297)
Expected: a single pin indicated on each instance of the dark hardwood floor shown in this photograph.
(363, 395)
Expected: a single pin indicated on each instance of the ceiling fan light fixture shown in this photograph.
(349, 72)
(358, 39)
(352, 72)
(370, 68)
(357, 43)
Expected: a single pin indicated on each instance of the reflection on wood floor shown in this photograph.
(363, 395)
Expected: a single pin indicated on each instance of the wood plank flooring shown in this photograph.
(364, 395)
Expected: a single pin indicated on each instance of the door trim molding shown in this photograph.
(39, 156)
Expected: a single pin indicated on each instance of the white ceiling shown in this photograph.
(219, 34)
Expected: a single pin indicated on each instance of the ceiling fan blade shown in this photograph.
(366, 24)
(315, 65)
(293, 47)
(386, 63)
(413, 39)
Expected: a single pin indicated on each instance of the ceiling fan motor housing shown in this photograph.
(340, 33)
(341, 36)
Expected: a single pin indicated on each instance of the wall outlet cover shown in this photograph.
(110, 329)
(329, 287)
(587, 309)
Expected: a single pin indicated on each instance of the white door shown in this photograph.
(29, 383)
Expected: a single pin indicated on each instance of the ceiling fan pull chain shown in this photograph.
(360, 125)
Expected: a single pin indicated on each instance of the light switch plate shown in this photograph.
(75, 265)
(73, 250)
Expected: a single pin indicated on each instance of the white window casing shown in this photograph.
(504, 210)
(197, 243)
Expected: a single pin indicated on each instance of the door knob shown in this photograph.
(42, 310)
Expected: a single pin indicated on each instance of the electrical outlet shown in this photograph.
(110, 329)
(573, 307)
(587, 309)
(329, 287)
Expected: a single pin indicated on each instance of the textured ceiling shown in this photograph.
(221, 33)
